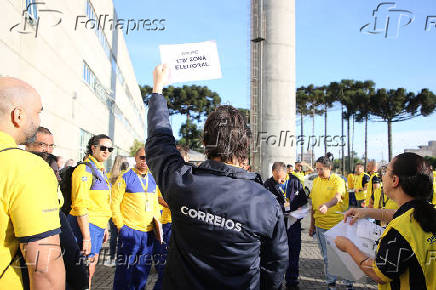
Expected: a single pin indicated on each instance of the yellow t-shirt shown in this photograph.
(323, 190)
(134, 203)
(350, 181)
(434, 187)
(374, 181)
(387, 202)
(29, 205)
(88, 198)
(361, 191)
(166, 213)
(300, 176)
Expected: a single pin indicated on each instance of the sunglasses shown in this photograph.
(142, 157)
(104, 148)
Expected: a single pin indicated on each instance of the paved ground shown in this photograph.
(311, 269)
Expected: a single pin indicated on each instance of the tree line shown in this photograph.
(359, 101)
(362, 102)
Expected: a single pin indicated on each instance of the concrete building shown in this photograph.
(272, 110)
(425, 150)
(83, 73)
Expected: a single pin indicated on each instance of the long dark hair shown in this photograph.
(415, 178)
(95, 140)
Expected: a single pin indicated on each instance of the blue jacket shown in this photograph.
(228, 230)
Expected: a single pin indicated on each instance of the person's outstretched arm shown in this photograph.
(274, 257)
(163, 159)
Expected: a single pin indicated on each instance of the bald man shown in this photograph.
(29, 211)
(134, 205)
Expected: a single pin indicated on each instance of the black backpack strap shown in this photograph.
(10, 263)
(10, 148)
(93, 171)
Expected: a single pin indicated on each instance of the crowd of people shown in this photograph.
(212, 226)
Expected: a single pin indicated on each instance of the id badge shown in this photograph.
(147, 204)
(287, 205)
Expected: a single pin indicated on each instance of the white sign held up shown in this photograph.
(191, 61)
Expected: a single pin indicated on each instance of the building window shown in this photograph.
(101, 36)
(32, 10)
(84, 139)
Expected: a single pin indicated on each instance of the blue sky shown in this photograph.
(329, 47)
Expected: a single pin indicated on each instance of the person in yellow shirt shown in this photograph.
(29, 208)
(434, 187)
(360, 185)
(299, 173)
(329, 200)
(134, 206)
(160, 251)
(405, 253)
(90, 200)
(120, 165)
(350, 187)
(374, 182)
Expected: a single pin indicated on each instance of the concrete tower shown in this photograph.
(272, 112)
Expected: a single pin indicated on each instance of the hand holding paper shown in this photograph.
(191, 61)
(160, 78)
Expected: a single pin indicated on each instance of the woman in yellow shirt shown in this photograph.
(405, 254)
(90, 196)
(329, 200)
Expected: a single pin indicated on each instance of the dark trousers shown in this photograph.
(160, 253)
(294, 243)
(352, 199)
(134, 259)
(113, 239)
(76, 271)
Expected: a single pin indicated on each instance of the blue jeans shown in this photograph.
(160, 253)
(133, 259)
(323, 248)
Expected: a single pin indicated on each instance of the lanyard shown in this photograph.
(142, 183)
(283, 190)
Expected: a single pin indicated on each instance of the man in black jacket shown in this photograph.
(289, 192)
(228, 231)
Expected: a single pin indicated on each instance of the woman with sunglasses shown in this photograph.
(405, 257)
(91, 197)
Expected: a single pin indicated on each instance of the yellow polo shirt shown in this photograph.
(29, 208)
(323, 190)
(434, 187)
(166, 213)
(135, 204)
(350, 181)
(91, 198)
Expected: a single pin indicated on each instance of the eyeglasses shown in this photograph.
(142, 157)
(105, 148)
(45, 145)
